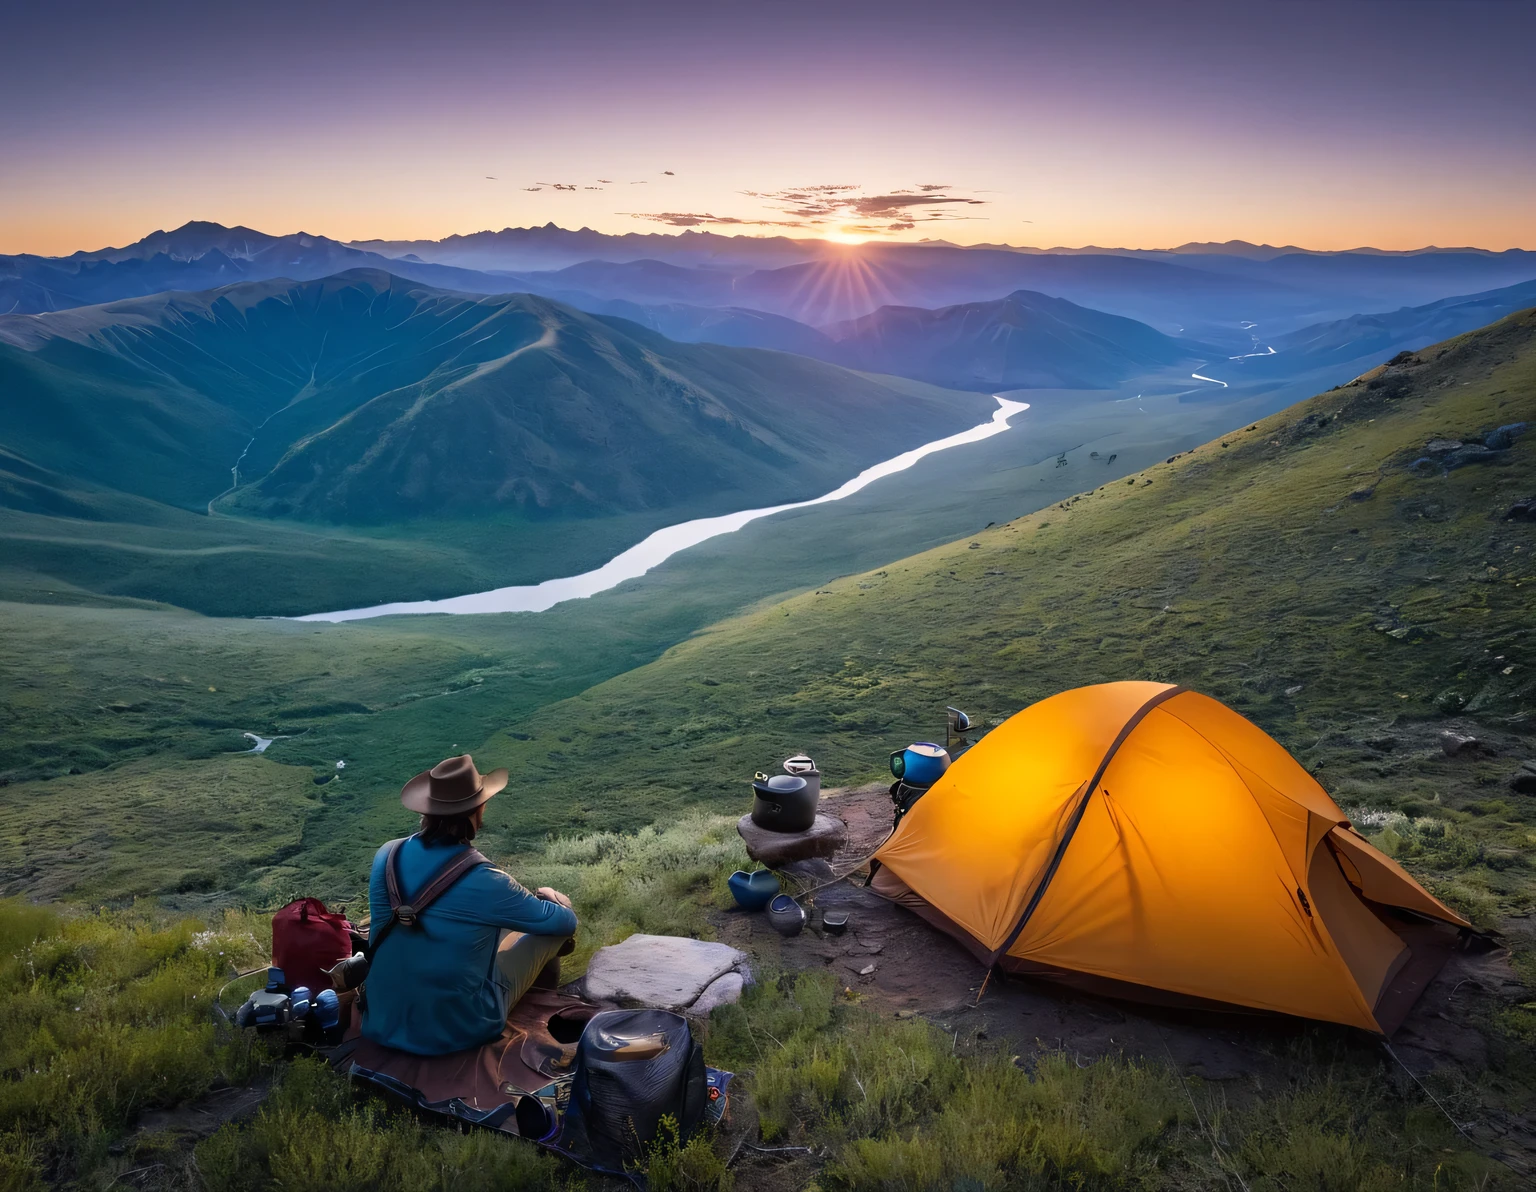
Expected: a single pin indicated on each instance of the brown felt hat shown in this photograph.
(452, 787)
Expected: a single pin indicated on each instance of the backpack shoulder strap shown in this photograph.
(408, 913)
(439, 883)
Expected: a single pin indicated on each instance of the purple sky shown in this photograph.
(1329, 124)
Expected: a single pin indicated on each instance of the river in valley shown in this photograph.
(664, 543)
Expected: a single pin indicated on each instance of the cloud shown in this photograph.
(892, 205)
(836, 204)
(684, 219)
(560, 185)
(533, 188)
(816, 205)
(693, 219)
(669, 173)
(606, 181)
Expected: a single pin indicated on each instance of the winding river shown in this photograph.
(663, 544)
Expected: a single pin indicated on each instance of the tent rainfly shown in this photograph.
(1145, 841)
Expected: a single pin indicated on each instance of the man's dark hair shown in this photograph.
(447, 829)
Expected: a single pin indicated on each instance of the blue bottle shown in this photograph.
(299, 1002)
(327, 1008)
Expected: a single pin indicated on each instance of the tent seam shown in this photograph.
(1130, 726)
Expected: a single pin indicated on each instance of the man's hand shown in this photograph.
(551, 895)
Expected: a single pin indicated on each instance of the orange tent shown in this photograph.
(1147, 841)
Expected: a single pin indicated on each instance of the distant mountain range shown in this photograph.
(1204, 291)
(1365, 339)
(198, 256)
(366, 398)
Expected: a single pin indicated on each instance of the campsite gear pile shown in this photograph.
(301, 1013)
(787, 802)
(1145, 841)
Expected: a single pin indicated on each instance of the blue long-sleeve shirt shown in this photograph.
(435, 988)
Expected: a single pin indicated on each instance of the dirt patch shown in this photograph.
(894, 961)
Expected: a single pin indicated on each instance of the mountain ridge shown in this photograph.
(364, 397)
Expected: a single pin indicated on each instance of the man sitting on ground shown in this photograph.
(446, 981)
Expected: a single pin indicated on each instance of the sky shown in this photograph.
(1324, 123)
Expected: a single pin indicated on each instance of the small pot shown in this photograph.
(786, 916)
(801, 766)
(920, 764)
(752, 890)
(782, 803)
(834, 922)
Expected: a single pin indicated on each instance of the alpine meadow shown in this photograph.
(868, 600)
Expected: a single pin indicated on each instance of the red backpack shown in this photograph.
(307, 939)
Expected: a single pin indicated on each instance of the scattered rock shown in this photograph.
(666, 972)
(1523, 781)
(866, 970)
(1473, 453)
(1442, 446)
(1452, 744)
(1522, 510)
(1364, 493)
(721, 992)
(1296, 690)
(1504, 437)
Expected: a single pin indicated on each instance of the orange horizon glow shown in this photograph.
(1107, 123)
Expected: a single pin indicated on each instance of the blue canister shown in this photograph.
(752, 890)
(327, 1008)
(299, 1002)
(276, 980)
(920, 764)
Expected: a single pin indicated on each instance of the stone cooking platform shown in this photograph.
(776, 849)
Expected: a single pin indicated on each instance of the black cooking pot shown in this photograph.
(783, 803)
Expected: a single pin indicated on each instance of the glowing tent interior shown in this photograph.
(1148, 842)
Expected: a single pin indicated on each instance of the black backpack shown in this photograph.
(632, 1069)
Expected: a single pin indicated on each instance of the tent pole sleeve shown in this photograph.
(1077, 815)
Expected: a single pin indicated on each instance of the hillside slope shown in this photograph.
(1308, 569)
(1024, 341)
(362, 398)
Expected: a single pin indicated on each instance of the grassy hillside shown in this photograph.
(365, 399)
(1303, 569)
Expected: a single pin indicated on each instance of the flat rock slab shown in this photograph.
(774, 849)
(721, 991)
(666, 972)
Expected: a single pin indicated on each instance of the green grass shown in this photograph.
(315, 1135)
(907, 1106)
(106, 1017)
